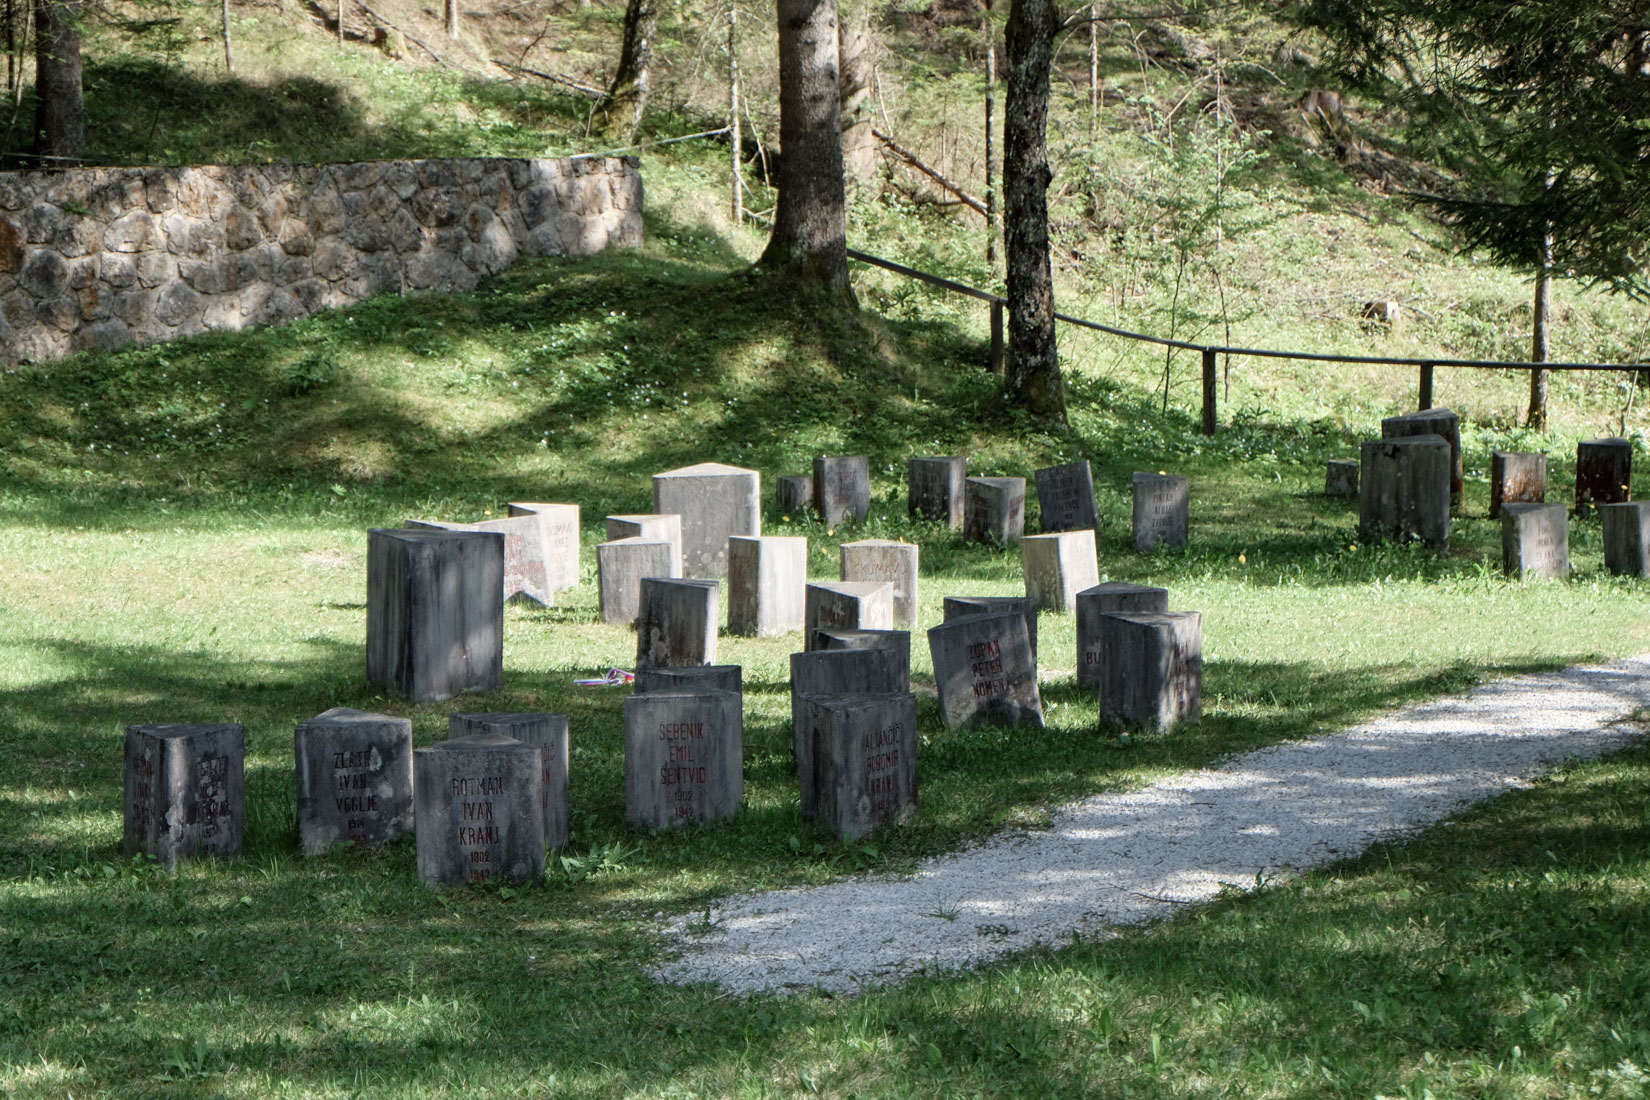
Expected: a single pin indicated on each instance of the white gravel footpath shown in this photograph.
(1123, 859)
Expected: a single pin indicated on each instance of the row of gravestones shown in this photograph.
(1407, 482)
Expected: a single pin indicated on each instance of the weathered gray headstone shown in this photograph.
(548, 734)
(897, 640)
(525, 578)
(1057, 567)
(1405, 490)
(842, 488)
(1626, 537)
(691, 678)
(1439, 422)
(620, 567)
(1516, 478)
(715, 502)
(957, 606)
(862, 753)
(1341, 478)
(838, 672)
(185, 791)
(560, 537)
(677, 622)
(985, 671)
(355, 779)
(994, 509)
(435, 611)
(1102, 599)
(1604, 473)
(889, 561)
(1535, 540)
(934, 488)
(795, 495)
(1153, 670)
(683, 758)
(1065, 497)
(766, 577)
(648, 526)
(851, 605)
(1162, 510)
(480, 810)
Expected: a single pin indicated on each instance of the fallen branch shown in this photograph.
(421, 45)
(595, 93)
(911, 158)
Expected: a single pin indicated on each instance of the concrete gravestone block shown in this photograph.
(185, 791)
(885, 560)
(1057, 567)
(644, 526)
(620, 567)
(715, 502)
(1153, 671)
(1516, 478)
(934, 489)
(1626, 537)
(480, 810)
(897, 641)
(985, 671)
(842, 488)
(677, 622)
(1162, 508)
(435, 611)
(1103, 599)
(683, 758)
(795, 495)
(1439, 422)
(766, 577)
(957, 606)
(691, 678)
(1065, 496)
(1405, 490)
(1604, 473)
(559, 536)
(838, 672)
(1535, 540)
(1341, 478)
(854, 605)
(994, 509)
(545, 732)
(355, 779)
(863, 757)
(525, 576)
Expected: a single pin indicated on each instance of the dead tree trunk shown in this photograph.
(620, 116)
(736, 204)
(60, 116)
(1540, 311)
(859, 147)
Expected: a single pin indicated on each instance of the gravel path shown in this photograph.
(1123, 859)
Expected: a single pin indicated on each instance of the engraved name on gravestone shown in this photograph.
(837, 672)
(648, 526)
(994, 509)
(184, 791)
(545, 732)
(355, 779)
(480, 810)
(620, 567)
(1057, 567)
(714, 501)
(1535, 540)
(1341, 478)
(1162, 508)
(934, 488)
(1626, 537)
(888, 561)
(1405, 489)
(435, 611)
(957, 606)
(766, 577)
(1102, 599)
(853, 605)
(683, 758)
(1439, 422)
(677, 622)
(1516, 478)
(1153, 671)
(559, 535)
(525, 575)
(1604, 473)
(864, 761)
(984, 670)
(1065, 496)
(842, 488)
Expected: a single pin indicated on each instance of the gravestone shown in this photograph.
(1439, 422)
(838, 672)
(677, 622)
(1535, 540)
(766, 575)
(691, 678)
(842, 488)
(620, 567)
(958, 606)
(1153, 670)
(548, 734)
(1405, 490)
(795, 495)
(1057, 567)
(934, 488)
(985, 670)
(185, 791)
(648, 526)
(715, 502)
(897, 640)
(1162, 508)
(1102, 599)
(889, 561)
(1065, 497)
(1341, 479)
(435, 611)
(1604, 473)
(1626, 537)
(683, 758)
(525, 576)
(559, 535)
(994, 509)
(355, 779)
(480, 810)
(862, 754)
(1516, 478)
(854, 605)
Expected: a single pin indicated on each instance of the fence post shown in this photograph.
(1208, 391)
(1426, 387)
(996, 337)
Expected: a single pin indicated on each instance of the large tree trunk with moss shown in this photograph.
(1033, 376)
(810, 228)
(620, 115)
(60, 116)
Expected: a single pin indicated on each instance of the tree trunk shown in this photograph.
(1537, 417)
(620, 116)
(990, 138)
(810, 227)
(60, 116)
(228, 44)
(736, 143)
(452, 18)
(1033, 359)
(859, 146)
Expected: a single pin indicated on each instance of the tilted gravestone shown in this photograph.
(620, 567)
(480, 810)
(1153, 671)
(683, 758)
(1057, 567)
(648, 526)
(1626, 537)
(691, 678)
(560, 535)
(185, 791)
(985, 671)
(525, 577)
(355, 779)
(1439, 422)
(435, 611)
(842, 488)
(957, 606)
(1162, 511)
(853, 605)
(1516, 478)
(862, 754)
(795, 495)
(766, 577)
(677, 622)
(888, 561)
(1405, 490)
(714, 501)
(1604, 473)
(1065, 497)
(838, 672)
(548, 734)
(934, 488)
(1535, 540)
(1341, 478)
(994, 509)
(1102, 599)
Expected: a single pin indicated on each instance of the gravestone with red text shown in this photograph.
(683, 758)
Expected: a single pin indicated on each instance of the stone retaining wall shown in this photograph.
(96, 258)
